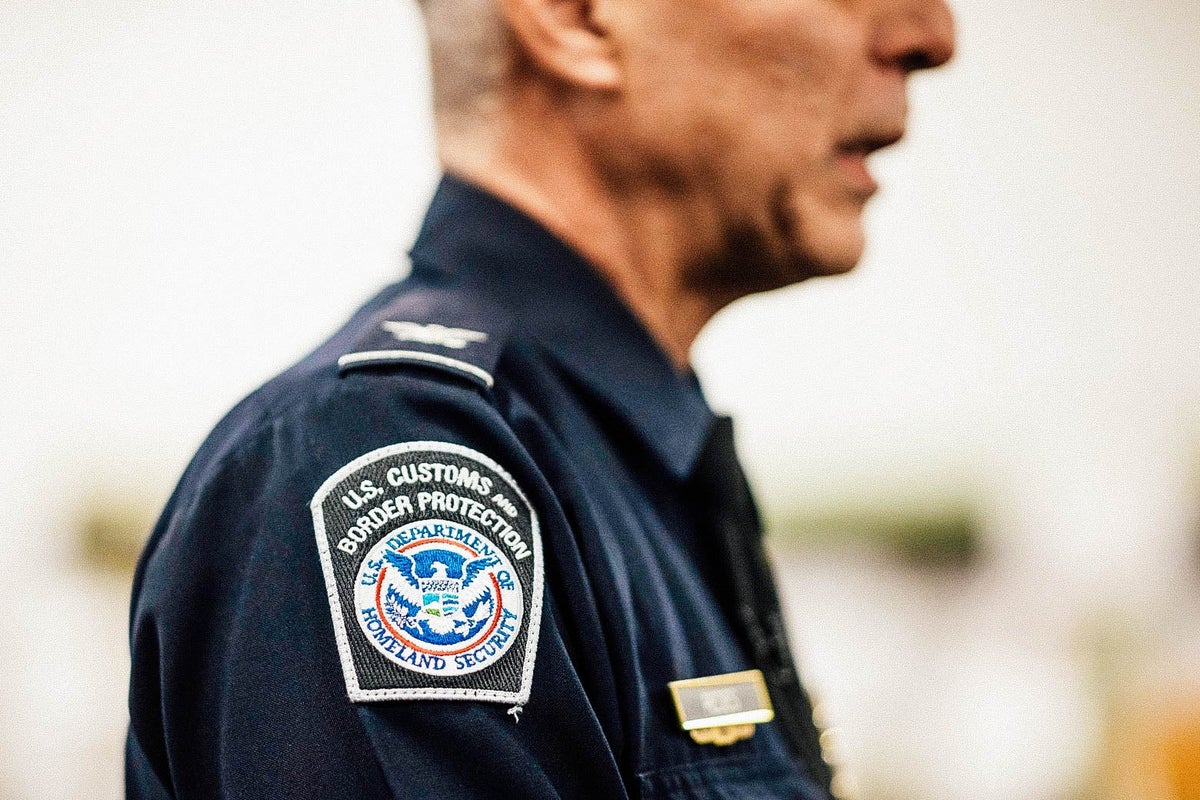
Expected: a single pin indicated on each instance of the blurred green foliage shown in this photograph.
(946, 536)
(112, 530)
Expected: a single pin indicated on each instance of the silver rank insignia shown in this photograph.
(722, 709)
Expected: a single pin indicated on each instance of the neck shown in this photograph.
(641, 240)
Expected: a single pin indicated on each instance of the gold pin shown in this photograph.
(722, 709)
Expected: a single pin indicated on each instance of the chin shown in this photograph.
(833, 258)
(828, 242)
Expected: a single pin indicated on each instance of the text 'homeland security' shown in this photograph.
(391, 644)
(489, 648)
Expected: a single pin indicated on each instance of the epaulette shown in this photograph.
(436, 328)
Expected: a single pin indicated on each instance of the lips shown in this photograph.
(852, 156)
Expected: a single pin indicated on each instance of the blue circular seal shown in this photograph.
(440, 598)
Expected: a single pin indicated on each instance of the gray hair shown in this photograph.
(469, 54)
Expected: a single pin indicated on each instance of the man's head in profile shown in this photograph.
(693, 150)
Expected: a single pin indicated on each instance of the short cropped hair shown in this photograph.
(469, 47)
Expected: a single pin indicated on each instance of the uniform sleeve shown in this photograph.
(239, 681)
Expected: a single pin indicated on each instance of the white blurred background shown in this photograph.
(192, 195)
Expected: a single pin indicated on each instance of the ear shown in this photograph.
(567, 39)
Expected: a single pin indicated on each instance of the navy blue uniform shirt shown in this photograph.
(506, 624)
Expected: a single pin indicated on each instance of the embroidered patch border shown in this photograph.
(438, 559)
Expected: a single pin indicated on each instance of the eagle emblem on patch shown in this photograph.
(433, 563)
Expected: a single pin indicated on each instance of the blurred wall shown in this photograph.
(193, 195)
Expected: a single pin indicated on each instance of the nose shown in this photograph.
(913, 34)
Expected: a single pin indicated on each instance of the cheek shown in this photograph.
(803, 53)
(733, 110)
(795, 71)
(734, 66)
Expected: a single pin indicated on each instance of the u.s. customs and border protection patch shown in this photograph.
(433, 564)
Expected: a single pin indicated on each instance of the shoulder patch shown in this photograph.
(438, 328)
(433, 565)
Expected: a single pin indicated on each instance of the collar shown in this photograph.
(562, 303)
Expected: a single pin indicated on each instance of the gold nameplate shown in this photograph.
(722, 709)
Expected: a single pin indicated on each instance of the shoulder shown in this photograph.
(386, 440)
(411, 348)
(416, 363)
(445, 329)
